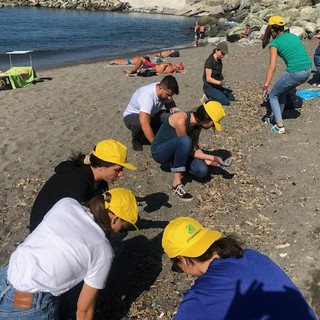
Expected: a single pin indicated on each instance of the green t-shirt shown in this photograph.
(292, 51)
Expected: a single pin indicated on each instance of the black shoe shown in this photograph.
(136, 145)
(182, 193)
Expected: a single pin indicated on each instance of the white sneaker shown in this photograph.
(204, 99)
(317, 85)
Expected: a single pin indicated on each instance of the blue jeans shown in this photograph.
(282, 87)
(177, 152)
(224, 96)
(316, 59)
(44, 305)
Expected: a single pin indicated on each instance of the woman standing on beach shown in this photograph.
(70, 245)
(291, 49)
(232, 283)
(214, 85)
(177, 140)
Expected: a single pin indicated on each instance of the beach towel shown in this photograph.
(308, 94)
(19, 76)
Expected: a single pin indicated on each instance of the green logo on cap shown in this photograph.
(191, 229)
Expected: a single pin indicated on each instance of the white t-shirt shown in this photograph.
(145, 99)
(66, 248)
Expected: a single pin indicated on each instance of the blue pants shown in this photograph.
(44, 305)
(177, 152)
(224, 96)
(282, 87)
(316, 59)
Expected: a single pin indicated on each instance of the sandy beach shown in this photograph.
(272, 201)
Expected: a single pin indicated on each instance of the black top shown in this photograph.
(68, 181)
(216, 67)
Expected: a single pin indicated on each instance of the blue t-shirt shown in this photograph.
(250, 288)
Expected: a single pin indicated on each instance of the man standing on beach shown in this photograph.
(144, 113)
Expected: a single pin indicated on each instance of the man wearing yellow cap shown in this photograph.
(233, 283)
(78, 178)
(176, 143)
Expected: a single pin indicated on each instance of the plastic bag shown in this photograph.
(308, 94)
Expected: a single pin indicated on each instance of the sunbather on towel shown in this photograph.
(159, 68)
(167, 54)
(133, 60)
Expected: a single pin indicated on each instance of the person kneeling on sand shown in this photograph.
(177, 140)
(144, 113)
(232, 282)
(69, 246)
(214, 85)
(77, 177)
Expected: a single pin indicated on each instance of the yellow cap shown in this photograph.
(276, 20)
(113, 151)
(123, 204)
(186, 237)
(216, 112)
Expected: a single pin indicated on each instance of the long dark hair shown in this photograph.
(100, 214)
(267, 34)
(79, 160)
(201, 114)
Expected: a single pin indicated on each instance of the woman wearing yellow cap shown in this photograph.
(291, 49)
(177, 140)
(70, 245)
(81, 176)
(233, 283)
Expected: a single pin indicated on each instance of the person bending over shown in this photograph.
(177, 143)
(78, 177)
(214, 85)
(232, 283)
(145, 110)
(70, 245)
(291, 49)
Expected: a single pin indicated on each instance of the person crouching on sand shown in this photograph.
(70, 245)
(177, 140)
(78, 177)
(232, 282)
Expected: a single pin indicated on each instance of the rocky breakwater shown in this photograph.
(302, 18)
(99, 5)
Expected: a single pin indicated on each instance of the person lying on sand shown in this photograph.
(167, 54)
(159, 68)
(133, 60)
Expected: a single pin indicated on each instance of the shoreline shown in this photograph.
(271, 202)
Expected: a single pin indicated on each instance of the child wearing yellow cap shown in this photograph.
(69, 246)
(232, 282)
(176, 143)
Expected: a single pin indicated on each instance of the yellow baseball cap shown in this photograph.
(276, 20)
(113, 151)
(186, 237)
(123, 204)
(216, 112)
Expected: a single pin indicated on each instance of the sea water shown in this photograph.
(59, 37)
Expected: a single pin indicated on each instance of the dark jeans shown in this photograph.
(224, 96)
(176, 151)
(133, 124)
